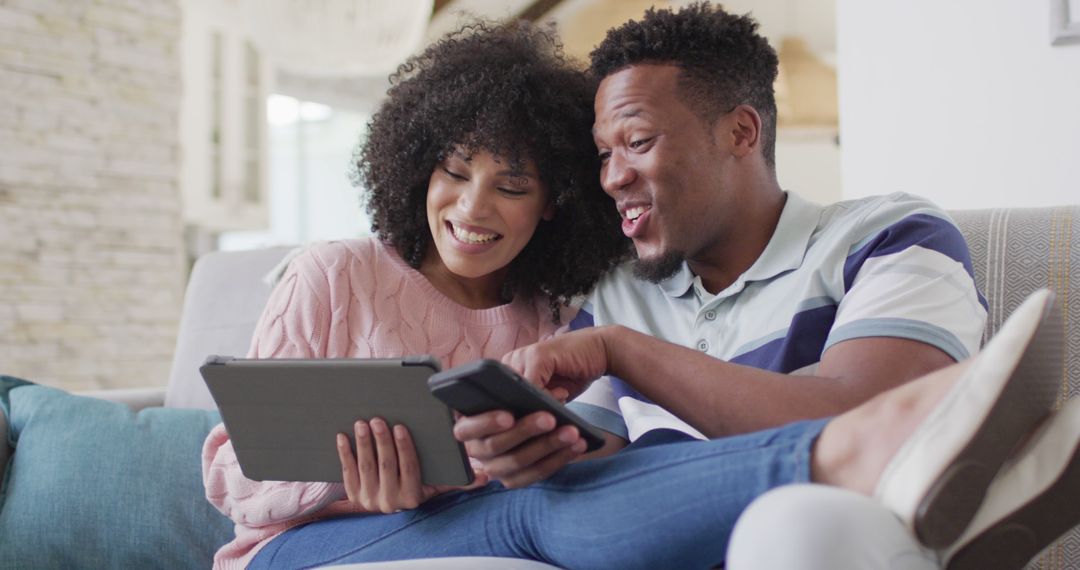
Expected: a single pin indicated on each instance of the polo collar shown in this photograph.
(784, 252)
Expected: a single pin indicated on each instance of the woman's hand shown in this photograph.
(384, 475)
(521, 452)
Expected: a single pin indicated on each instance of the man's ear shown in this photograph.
(742, 127)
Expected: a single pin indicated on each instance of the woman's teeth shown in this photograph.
(472, 237)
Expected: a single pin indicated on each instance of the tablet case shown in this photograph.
(283, 414)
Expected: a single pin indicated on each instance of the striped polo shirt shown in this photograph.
(885, 266)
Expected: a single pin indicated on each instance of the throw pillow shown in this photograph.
(92, 484)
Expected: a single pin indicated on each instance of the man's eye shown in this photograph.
(604, 156)
(639, 143)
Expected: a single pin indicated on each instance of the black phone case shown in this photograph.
(485, 385)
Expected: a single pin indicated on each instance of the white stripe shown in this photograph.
(648, 417)
(600, 394)
(916, 284)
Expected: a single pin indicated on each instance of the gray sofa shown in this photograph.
(1015, 251)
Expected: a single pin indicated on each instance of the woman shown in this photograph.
(482, 183)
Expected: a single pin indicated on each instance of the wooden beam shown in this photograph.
(533, 12)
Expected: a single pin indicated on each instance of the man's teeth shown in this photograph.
(472, 237)
(635, 213)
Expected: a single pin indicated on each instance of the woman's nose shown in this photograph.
(474, 201)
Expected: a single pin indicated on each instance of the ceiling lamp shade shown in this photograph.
(333, 38)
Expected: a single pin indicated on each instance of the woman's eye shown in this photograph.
(453, 174)
(512, 192)
(604, 156)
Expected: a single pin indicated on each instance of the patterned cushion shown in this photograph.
(1016, 251)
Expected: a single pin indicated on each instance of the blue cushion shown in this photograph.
(92, 484)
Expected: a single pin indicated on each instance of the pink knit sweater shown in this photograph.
(352, 298)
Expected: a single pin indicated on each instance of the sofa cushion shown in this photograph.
(225, 296)
(91, 484)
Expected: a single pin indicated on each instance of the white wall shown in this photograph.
(808, 163)
(965, 102)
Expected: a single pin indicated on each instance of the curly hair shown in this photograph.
(506, 89)
(724, 61)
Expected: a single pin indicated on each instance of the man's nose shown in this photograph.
(616, 174)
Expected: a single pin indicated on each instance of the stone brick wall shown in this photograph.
(91, 256)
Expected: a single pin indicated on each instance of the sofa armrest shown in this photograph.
(135, 398)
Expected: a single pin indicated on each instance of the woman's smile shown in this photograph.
(469, 235)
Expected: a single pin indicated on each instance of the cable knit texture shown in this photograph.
(358, 299)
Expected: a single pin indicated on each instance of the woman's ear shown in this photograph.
(549, 212)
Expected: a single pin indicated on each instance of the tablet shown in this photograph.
(283, 415)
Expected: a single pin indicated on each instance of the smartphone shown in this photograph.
(485, 385)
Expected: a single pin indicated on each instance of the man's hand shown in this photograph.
(564, 365)
(384, 475)
(519, 453)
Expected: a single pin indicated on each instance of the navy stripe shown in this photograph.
(923, 230)
(583, 320)
(621, 389)
(600, 417)
(800, 347)
(659, 436)
(618, 386)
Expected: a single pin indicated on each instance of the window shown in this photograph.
(253, 105)
(311, 196)
(216, 100)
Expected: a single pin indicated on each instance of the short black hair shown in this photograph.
(724, 61)
(505, 88)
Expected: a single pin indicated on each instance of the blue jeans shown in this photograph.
(669, 505)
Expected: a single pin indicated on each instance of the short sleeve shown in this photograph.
(913, 280)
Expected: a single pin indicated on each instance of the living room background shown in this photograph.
(117, 114)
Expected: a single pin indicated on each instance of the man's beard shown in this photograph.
(659, 268)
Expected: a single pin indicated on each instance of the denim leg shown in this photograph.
(662, 506)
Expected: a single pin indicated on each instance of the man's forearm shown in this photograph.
(720, 398)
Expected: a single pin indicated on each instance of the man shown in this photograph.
(747, 307)
(773, 309)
